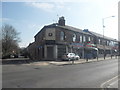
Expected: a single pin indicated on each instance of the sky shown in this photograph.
(28, 17)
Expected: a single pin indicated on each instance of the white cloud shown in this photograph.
(43, 6)
(47, 6)
(59, 5)
(51, 0)
(4, 19)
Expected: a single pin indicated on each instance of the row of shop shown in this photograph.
(55, 51)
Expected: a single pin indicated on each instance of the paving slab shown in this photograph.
(78, 61)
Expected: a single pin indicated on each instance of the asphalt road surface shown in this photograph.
(87, 75)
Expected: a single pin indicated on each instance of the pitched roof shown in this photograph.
(101, 36)
(69, 28)
(72, 29)
(98, 35)
(77, 30)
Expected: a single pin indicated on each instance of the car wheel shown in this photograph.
(69, 59)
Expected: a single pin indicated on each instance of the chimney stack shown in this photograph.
(61, 21)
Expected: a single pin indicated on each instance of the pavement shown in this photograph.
(60, 63)
(26, 61)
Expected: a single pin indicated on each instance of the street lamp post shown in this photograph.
(103, 34)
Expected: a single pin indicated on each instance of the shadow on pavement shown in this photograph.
(26, 61)
(18, 61)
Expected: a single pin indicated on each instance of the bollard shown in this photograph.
(73, 61)
(86, 59)
(97, 58)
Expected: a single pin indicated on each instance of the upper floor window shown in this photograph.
(99, 41)
(84, 39)
(50, 34)
(111, 43)
(108, 43)
(62, 36)
(89, 39)
(74, 37)
(92, 40)
(103, 41)
(80, 38)
(115, 43)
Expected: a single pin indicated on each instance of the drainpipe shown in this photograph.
(45, 51)
(66, 49)
(55, 52)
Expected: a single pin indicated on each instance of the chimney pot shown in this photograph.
(61, 21)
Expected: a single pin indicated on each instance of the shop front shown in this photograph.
(90, 51)
(78, 49)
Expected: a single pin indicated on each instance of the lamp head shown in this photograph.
(113, 16)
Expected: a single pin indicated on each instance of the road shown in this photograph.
(87, 75)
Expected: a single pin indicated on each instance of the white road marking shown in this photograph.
(113, 82)
(102, 85)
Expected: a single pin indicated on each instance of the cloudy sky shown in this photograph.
(28, 17)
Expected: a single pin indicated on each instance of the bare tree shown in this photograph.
(10, 39)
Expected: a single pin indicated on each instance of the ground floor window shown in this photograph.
(108, 52)
(101, 51)
(61, 50)
(42, 52)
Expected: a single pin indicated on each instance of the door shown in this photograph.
(50, 53)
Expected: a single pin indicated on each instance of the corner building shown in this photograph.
(52, 41)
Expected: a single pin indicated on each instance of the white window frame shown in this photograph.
(81, 38)
(74, 37)
(89, 39)
(62, 36)
(84, 38)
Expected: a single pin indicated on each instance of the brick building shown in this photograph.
(106, 44)
(52, 41)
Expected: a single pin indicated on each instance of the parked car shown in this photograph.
(12, 56)
(70, 56)
(6, 56)
(77, 57)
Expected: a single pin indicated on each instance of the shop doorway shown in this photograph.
(50, 52)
